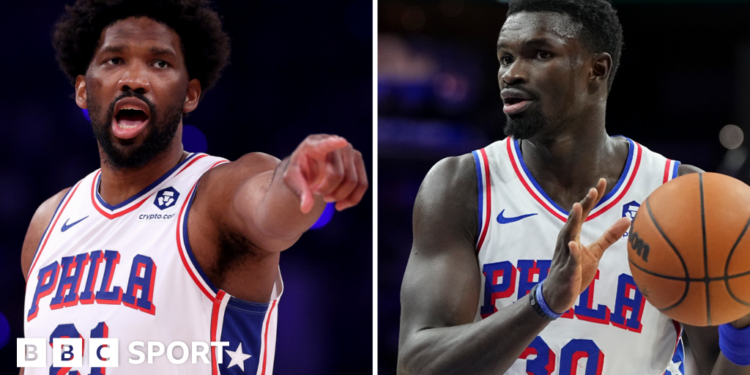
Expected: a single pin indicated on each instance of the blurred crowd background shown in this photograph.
(683, 90)
(297, 68)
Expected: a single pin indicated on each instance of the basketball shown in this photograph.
(689, 250)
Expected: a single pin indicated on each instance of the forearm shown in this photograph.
(489, 346)
(267, 206)
(724, 366)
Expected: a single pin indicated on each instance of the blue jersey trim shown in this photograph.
(142, 192)
(49, 225)
(480, 194)
(675, 169)
(186, 240)
(678, 357)
(244, 326)
(631, 152)
(247, 306)
(526, 171)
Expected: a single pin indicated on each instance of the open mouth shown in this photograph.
(512, 101)
(515, 105)
(130, 119)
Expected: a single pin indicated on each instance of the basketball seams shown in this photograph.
(706, 277)
(733, 251)
(726, 266)
(664, 235)
(685, 279)
(679, 256)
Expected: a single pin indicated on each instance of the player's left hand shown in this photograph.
(328, 166)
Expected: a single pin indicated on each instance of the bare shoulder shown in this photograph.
(688, 169)
(446, 204)
(454, 172)
(38, 225)
(440, 286)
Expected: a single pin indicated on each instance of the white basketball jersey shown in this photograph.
(127, 272)
(612, 329)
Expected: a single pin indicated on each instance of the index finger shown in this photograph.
(572, 228)
(591, 200)
(321, 147)
(614, 233)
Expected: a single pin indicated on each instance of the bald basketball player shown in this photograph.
(161, 244)
(518, 265)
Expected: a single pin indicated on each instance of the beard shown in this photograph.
(124, 153)
(526, 125)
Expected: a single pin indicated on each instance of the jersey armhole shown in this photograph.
(671, 168)
(52, 221)
(484, 195)
(193, 267)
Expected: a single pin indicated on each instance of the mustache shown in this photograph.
(132, 94)
(533, 94)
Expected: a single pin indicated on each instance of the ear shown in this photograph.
(193, 96)
(80, 93)
(601, 68)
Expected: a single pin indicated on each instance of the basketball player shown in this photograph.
(508, 272)
(162, 245)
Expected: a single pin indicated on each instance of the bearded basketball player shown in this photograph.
(161, 244)
(508, 272)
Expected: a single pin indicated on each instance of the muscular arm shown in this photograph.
(249, 197)
(34, 234)
(38, 225)
(704, 341)
(271, 203)
(441, 286)
(246, 212)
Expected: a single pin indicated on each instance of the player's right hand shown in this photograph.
(327, 166)
(573, 264)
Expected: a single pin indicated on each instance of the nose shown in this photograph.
(135, 78)
(512, 74)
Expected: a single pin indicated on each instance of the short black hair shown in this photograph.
(204, 44)
(601, 31)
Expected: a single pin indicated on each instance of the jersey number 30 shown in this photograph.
(571, 353)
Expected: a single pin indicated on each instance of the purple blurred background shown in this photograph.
(684, 78)
(296, 68)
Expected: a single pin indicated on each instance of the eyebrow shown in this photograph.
(162, 51)
(158, 51)
(539, 42)
(115, 48)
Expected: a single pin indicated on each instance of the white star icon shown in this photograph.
(674, 368)
(238, 357)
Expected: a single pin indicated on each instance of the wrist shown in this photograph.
(539, 304)
(735, 344)
(549, 298)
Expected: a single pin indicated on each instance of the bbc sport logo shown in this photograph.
(68, 353)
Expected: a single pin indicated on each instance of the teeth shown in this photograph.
(122, 126)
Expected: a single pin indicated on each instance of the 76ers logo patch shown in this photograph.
(629, 210)
(166, 198)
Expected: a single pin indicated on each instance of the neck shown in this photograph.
(569, 163)
(117, 185)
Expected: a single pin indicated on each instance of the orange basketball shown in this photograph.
(689, 249)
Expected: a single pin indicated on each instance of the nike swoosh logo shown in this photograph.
(507, 220)
(66, 226)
